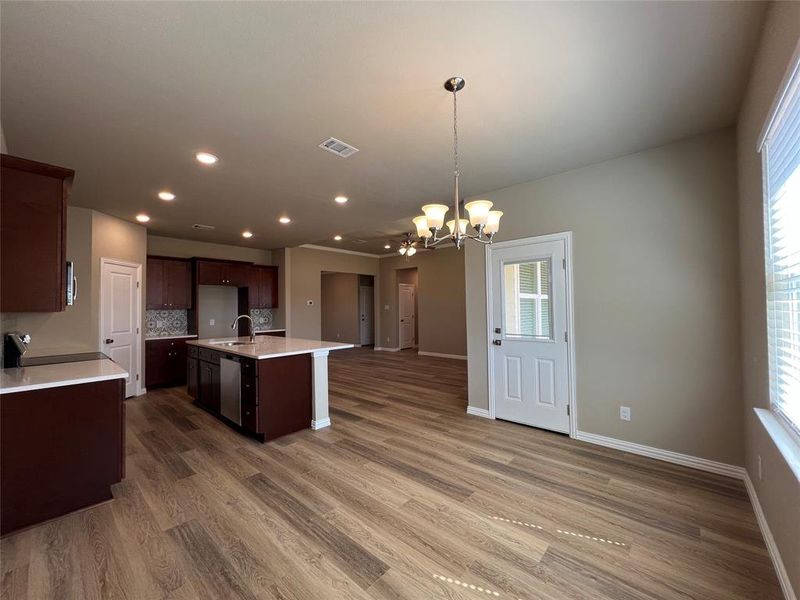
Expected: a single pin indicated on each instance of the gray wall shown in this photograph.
(304, 267)
(339, 308)
(779, 490)
(220, 303)
(656, 292)
(441, 305)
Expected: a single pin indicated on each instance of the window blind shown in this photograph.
(781, 161)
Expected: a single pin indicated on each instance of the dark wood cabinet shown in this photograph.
(208, 386)
(273, 333)
(263, 286)
(169, 283)
(62, 449)
(165, 362)
(192, 373)
(33, 221)
(218, 272)
(275, 393)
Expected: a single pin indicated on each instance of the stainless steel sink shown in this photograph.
(231, 343)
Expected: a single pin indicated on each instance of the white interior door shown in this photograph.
(529, 322)
(407, 315)
(366, 307)
(119, 317)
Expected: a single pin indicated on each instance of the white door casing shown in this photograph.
(407, 314)
(529, 318)
(120, 310)
(366, 308)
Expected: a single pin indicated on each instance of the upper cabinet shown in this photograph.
(263, 292)
(217, 272)
(33, 222)
(169, 283)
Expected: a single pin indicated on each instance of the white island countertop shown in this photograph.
(25, 379)
(268, 346)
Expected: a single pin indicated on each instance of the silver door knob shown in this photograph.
(109, 341)
(498, 342)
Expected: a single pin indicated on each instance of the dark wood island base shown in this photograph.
(276, 394)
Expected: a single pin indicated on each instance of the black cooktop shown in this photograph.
(61, 358)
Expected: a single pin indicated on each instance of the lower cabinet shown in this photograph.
(275, 393)
(165, 362)
(208, 385)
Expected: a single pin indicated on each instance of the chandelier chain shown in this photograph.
(455, 132)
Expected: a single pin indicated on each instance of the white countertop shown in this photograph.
(269, 347)
(40, 377)
(169, 337)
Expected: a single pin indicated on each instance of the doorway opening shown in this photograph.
(347, 308)
(408, 307)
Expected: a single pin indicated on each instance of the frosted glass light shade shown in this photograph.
(402, 250)
(478, 211)
(423, 230)
(462, 225)
(493, 221)
(411, 251)
(435, 214)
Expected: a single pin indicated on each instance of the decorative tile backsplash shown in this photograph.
(166, 322)
(262, 318)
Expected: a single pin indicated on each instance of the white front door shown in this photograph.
(119, 317)
(366, 307)
(407, 315)
(529, 323)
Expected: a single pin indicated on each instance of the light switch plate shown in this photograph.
(211, 321)
(625, 413)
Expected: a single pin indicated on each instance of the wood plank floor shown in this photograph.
(405, 496)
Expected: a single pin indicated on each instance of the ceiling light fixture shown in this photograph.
(142, 218)
(247, 234)
(338, 238)
(407, 246)
(388, 247)
(206, 158)
(341, 199)
(165, 195)
(485, 221)
(285, 220)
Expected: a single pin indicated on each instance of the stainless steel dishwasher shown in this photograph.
(230, 388)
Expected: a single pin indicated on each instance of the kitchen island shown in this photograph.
(266, 388)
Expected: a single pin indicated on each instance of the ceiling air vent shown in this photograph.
(338, 147)
(202, 227)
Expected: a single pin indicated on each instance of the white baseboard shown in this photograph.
(440, 355)
(322, 423)
(381, 349)
(478, 412)
(141, 392)
(666, 455)
(769, 541)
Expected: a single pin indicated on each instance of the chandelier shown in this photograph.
(482, 218)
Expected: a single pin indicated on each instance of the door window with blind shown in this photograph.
(781, 171)
(528, 308)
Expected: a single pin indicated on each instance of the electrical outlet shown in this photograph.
(385, 307)
(759, 467)
(625, 413)
(211, 321)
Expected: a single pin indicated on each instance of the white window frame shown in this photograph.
(790, 87)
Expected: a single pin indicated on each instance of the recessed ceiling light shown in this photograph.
(165, 195)
(388, 246)
(247, 234)
(285, 220)
(341, 199)
(142, 218)
(206, 158)
(338, 238)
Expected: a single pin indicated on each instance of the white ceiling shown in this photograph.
(126, 93)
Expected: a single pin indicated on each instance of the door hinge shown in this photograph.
(567, 409)
(566, 337)
(137, 284)
(137, 330)
(564, 263)
(137, 377)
